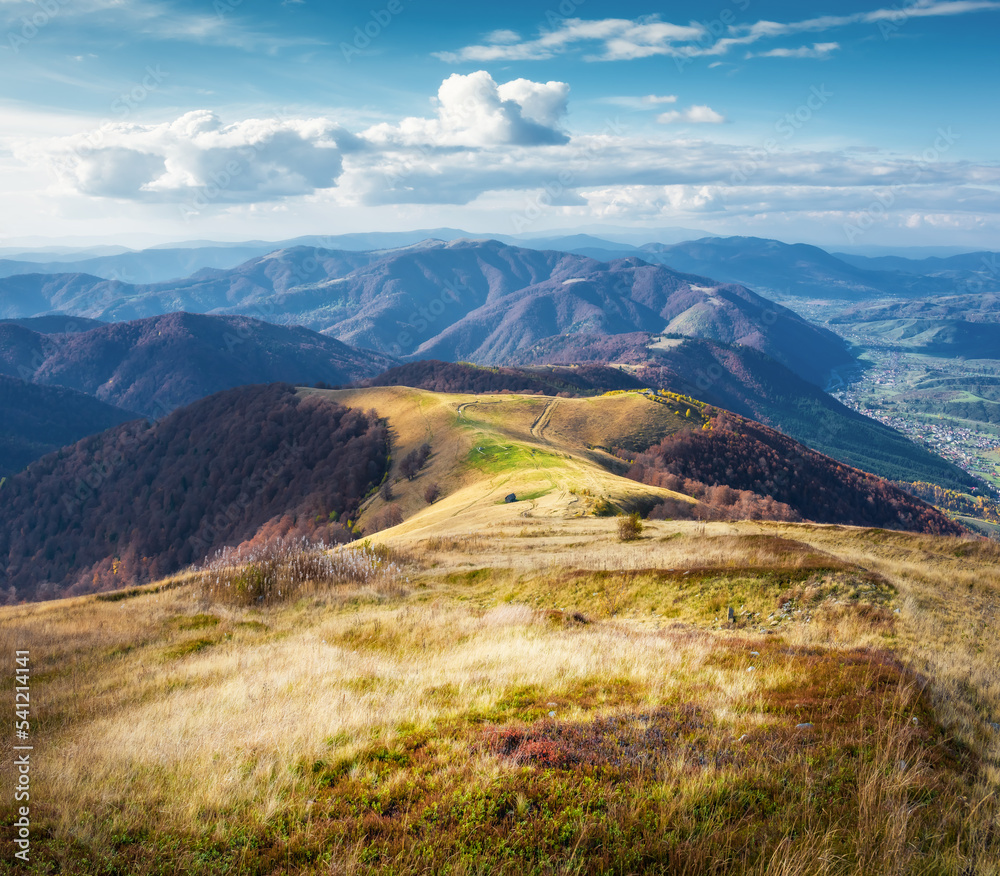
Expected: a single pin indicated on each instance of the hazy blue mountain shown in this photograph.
(773, 267)
(482, 301)
(161, 263)
(56, 324)
(950, 326)
(158, 364)
(35, 420)
(157, 264)
(963, 266)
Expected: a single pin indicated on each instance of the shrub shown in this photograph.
(391, 515)
(629, 526)
(432, 493)
(604, 508)
(284, 569)
(414, 461)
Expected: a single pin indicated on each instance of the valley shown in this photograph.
(929, 386)
(904, 391)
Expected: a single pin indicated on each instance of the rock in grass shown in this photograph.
(510, 497)
(805, 725)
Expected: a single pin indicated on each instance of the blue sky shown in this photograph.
(844, 123)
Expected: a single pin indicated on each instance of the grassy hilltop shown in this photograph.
(493, 687)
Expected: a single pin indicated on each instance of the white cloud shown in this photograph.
(485, 144)
(645, 102)
(220, 25)
(544, 103)
(786, 179)
(473, 111)
(249, 161)
(503, 36)
(622, 38)
(653, 99)
(619, 39)
(693, 115)
(816, 50)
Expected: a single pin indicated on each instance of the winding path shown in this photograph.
(539, 426)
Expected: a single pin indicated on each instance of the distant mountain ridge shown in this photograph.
(35, 420)
(155, 264)
(158, 364)
(772, 267)
(486, 302)
(438, 376)
(959, 266)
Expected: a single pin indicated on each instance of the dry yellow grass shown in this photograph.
(160, 717)
(483, 717)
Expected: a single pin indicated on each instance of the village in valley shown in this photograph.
(889, 390)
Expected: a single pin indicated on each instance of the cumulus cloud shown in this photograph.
(488, 143)
(693, 115)
(473, 111)
(248, 161)
(613, 162)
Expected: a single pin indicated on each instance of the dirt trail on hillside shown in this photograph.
(539, 426)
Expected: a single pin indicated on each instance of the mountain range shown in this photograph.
(143, 500)
(155, 365)
(177, 260)
(772, 267)
(482, 301)
(35, 420)
(952, 326)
